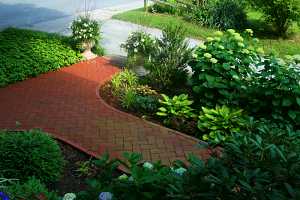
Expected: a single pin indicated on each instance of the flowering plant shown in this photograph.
(85, 30)
(222, 64)
(139, 43)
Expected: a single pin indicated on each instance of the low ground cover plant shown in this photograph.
(30, 153)
(25, 53)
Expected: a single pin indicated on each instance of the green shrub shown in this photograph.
(169, 59)
(227, 14)
(261, 164)
(281, 13)
(178, 107)
(163, 7)
(219, 123)
(25, 54)
(146, 104)
(30, 153)
(122, 81)
(128, 98)
(139, 44)
(98, 50)
(32, 189)
(230, 70)
(220, 67)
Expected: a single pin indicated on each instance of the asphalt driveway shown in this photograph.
(28, 13)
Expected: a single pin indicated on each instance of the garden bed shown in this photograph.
(105, 91)
(71, 180)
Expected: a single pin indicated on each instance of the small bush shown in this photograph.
(123, 81)
(281, 13)
(139, 45)
(163, 7)
(25, 53)
(227, 14)
(32, 189)
(146, 104)
(30, 153)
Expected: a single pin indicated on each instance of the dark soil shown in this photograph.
(188, 127)
(71, 180)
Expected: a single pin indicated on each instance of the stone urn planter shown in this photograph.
(87, 46)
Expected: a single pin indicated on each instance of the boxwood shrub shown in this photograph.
(25, 53)
(30, 153)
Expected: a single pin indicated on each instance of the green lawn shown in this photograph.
(281, 46)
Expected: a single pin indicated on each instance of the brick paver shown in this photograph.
(66, 104)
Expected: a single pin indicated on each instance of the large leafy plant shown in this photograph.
(219, 123)
(232, 70)
(262, 163)
(221, 66)
(178, 107)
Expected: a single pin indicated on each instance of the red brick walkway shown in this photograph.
(66, 104)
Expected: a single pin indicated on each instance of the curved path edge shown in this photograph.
(65, 104)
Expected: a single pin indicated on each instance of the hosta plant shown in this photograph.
(178, 107)
(219, 123)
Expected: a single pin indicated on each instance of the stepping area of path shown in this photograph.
(67, 105)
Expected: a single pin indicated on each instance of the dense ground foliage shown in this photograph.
(25, 53)
(262, 163)
(32, 153)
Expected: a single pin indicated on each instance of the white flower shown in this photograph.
(209, 39)
(180, 171)
(195, 55)
(240, 44)
(213, 60)
(202, 46)
(69, 196)
(135, 50)
(142, 40)
(105, 196)
(85, 24)
(232, 31)
(148, 165)
(123, 177)
(135, 44)
(250, 31)
(207, 55)
(218, 33)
